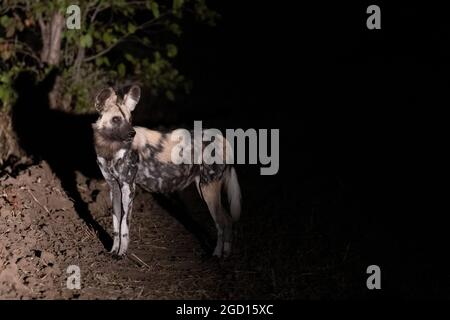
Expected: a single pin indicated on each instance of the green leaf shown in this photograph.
(121, 70)
(86, 41)
(5, 54)
(170, 95)
(171, 50)
(177, 4)
(131, 28)
(99, 61)
(4, 21)
(175, 28)
(10, 30)
(19, 25)
(146, 41)
(129, 57)
(107, 38)
(3, 94)
(4, 78)
(155, 9)
(96, 34)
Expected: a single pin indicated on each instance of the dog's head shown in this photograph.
(114, 121)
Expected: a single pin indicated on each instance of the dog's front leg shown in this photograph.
(127, 190)
(116, 200)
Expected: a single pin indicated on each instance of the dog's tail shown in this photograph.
(233, 193)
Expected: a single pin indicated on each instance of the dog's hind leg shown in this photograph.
(211, 193)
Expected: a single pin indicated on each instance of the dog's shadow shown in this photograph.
(175, 206)
(63, 140)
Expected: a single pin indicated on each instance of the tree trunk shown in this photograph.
(57, 99)
(78, 62)
(51, 38)
(9, 146)
(51, 54)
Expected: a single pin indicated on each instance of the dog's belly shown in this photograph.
(156, 176)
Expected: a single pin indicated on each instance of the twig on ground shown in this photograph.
(37, 201)
(140, 260)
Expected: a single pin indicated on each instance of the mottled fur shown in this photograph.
(134, 155)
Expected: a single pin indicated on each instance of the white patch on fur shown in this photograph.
(124, 231)
(131, 99)
(104, 121)
(234, 194)
(103, 164)
(116, 243)
(102, 161)
(116, 224)
(124, 243)
(119, 154)
(197, 184)
(145, 136)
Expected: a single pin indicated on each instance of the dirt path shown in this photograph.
(41, 235)
(278, 253)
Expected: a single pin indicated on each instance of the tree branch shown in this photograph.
(24, 48)
(12, 8)
(98, 9)
(45, 34)
(142, 26)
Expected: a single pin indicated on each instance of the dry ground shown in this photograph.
(41, 235)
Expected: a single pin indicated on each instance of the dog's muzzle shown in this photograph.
(131, 134)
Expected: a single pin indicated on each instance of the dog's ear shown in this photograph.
(131, 99)
(104, 97)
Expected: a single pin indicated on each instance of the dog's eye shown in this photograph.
(116, 119)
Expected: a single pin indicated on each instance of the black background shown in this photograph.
(365, 105)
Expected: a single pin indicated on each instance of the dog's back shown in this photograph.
(158, 170)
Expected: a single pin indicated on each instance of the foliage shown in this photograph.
(119, 42)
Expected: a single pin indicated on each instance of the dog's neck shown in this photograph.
(107, 143)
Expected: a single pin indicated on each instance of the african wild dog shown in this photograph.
(130, 155)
